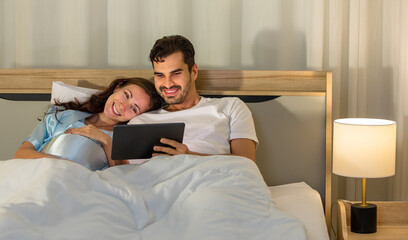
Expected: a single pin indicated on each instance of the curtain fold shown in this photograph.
(377, 78)
(399, 63)
(7, 34)
(362, 41)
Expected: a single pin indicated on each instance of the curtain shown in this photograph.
(228, 34)
(362, 41)
(368, 53)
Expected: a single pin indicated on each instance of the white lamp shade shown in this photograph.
(364, 147)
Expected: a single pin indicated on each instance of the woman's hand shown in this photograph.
(99, 136)
(92, 132)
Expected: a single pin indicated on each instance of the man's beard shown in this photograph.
(181, 96)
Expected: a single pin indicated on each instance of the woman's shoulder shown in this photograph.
(62, 114)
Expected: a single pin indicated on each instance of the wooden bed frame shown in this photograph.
(209, 82)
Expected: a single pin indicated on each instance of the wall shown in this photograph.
(18, 120)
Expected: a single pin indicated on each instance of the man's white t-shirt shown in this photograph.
(209, 125)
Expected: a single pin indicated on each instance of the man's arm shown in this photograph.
(241, 147)
(244, 147)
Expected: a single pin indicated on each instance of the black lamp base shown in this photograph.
(363, 218)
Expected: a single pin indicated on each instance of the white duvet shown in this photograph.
(180, 197)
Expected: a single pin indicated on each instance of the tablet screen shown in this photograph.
(136, 141)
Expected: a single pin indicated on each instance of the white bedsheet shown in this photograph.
(304, 203)
(181, 197)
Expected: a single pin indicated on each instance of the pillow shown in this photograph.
(66, 93)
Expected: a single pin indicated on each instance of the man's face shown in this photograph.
(173, 80)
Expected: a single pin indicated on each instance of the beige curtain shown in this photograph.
(362, 41)
(228, 34)
(368, 52)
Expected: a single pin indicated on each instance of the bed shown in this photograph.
(285, 195)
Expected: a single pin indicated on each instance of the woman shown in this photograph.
(77, 131)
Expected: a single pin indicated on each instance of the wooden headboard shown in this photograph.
(209, 82)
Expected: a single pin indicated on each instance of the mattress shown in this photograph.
(305, 204)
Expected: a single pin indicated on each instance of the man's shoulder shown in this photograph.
(153, 112)
(147, 117)
(222, 100)
(226, 102)
(226, 105)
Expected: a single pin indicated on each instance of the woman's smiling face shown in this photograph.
(126, 103)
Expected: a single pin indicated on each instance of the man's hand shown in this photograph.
(240, 147)
(178, 148)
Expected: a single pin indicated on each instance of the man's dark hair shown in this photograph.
(168, 45)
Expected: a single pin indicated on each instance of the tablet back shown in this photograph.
(136, 141)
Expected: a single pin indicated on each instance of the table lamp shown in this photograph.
(364, 148)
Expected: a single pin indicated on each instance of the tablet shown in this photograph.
(136, 141)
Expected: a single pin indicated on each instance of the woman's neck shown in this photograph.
(100, 121)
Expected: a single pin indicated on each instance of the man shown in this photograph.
(213, 126)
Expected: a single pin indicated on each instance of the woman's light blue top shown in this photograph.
(49, 137)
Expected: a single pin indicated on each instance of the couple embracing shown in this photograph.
(212, 125)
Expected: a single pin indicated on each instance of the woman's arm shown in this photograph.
(27, 150)
(107, 147)
(102, 138)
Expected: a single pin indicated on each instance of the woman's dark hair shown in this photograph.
(96, 102)
(171, 44)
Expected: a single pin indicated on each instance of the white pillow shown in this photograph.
(66, 93)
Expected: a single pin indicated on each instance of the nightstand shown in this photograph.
(392, 221)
